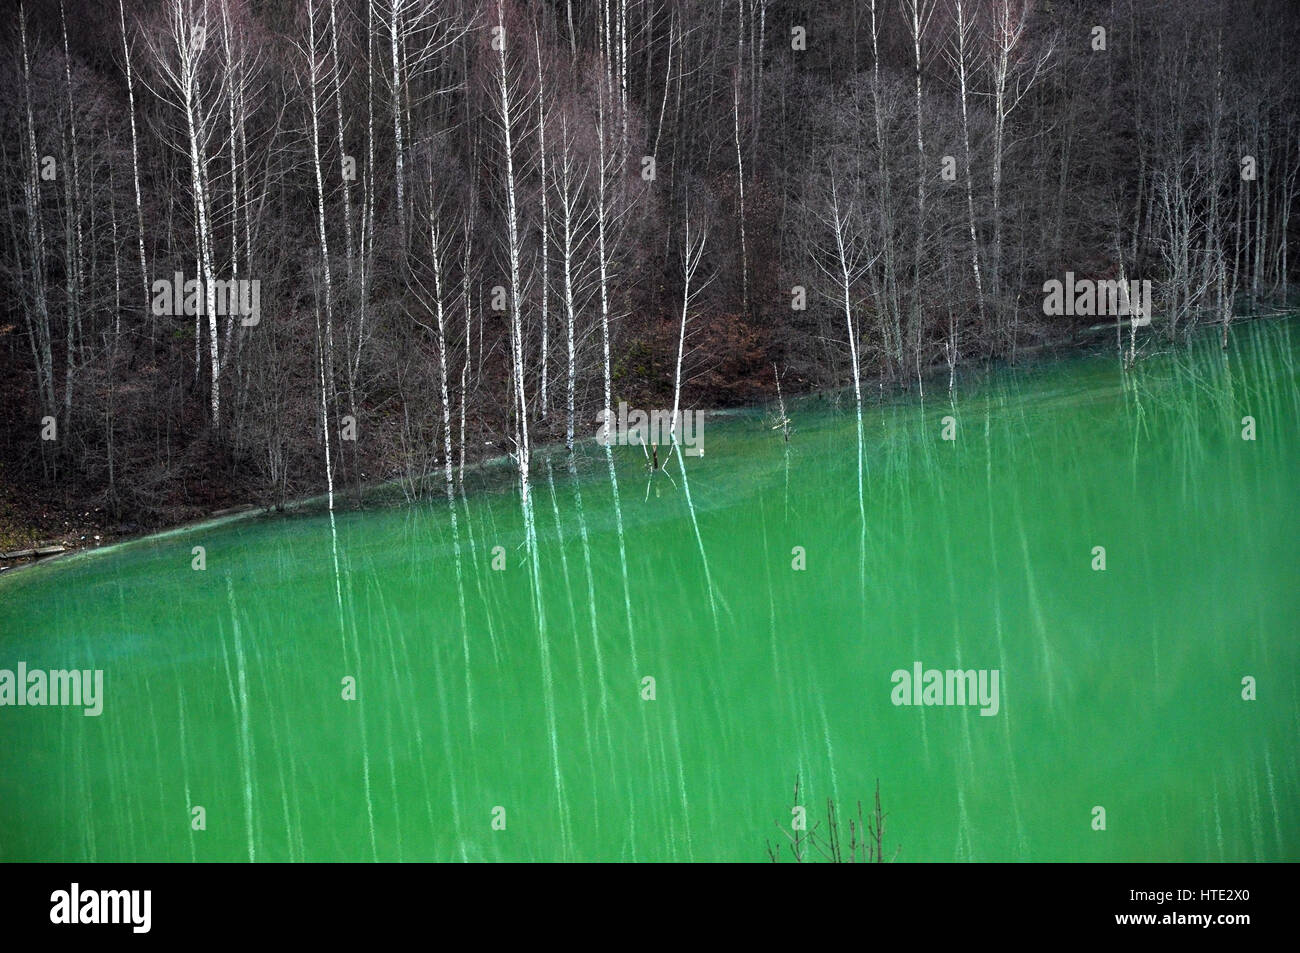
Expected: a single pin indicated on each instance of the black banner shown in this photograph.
(142, 903)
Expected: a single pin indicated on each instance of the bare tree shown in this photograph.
(178, 56)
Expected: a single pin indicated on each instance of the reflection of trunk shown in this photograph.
(604, 216)
(237, 687)
(591, 586)
(845, 266)
(690, 262)
(699, 542)
(480, 572)
(435, 254)
(847, 277)
(578, 651)
(506, 95)
(352, 660)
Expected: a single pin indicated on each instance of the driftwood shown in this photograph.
(230, 510)
(44, 550)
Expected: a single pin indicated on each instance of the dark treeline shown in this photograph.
(474, 224)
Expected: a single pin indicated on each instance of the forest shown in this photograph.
(470, 226)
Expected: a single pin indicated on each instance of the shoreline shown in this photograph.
(20, 544)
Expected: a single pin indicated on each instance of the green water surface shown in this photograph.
(1121, 689)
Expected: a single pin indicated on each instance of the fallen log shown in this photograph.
(228, 511)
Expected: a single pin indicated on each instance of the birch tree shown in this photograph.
(1013, 76)
(135, 161)
(38, 316)
(178, 55)
(963, 34)
(919, 12)
(316, 80)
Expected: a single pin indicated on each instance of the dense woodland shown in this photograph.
(475, 223)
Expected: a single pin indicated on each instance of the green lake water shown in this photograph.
(1120, 689)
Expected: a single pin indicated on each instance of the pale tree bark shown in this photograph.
(545, 223)
(336, 81)
(1215, 225)
(368, 197)
(135, 164)
(1013, 76)
(39, 331)
(622, 73)
(467, 275)
(605, 215)
(399, 151)
(1288, 193)
(507, 94)
(574, 219)
(418, 33)
(844, 264)
(234, 88)
(893, 326)
(962, 35)
(920, 12)
(315, 79)
(740, 161)
(668, 73)
(178, 56)
(74, 240)
(435, 254)
(110, 399)
(692, 252)
(756, 94)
